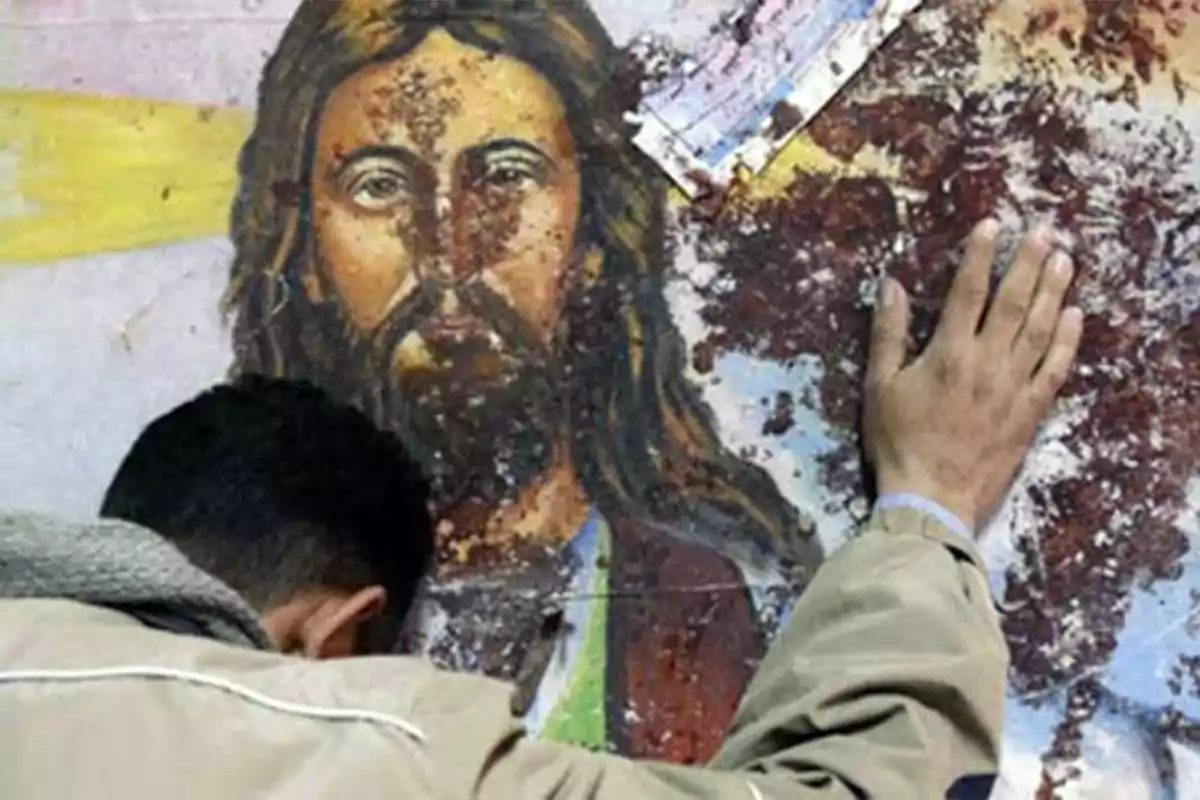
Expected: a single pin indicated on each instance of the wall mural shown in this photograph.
(638, 408)
(483, 272)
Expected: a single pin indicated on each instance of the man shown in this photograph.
(443, 221)
(888, 683)
(303, 509)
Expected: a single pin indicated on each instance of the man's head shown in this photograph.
(316, 517)
(443, 220)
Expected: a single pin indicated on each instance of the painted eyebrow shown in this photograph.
(402, 154)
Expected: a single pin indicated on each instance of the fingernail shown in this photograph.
(887, 292)
(989, 228)
(1060, 265)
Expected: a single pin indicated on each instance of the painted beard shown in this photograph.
(483, 419)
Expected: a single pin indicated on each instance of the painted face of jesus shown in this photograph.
(446, 197)
(447, 174)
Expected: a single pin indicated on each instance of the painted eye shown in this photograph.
(518, 171)
(379, 187)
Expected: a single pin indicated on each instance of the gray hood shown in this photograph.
(124, 567)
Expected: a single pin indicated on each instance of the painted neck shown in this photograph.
(546, 516)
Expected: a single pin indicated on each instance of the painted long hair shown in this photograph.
(643, 440)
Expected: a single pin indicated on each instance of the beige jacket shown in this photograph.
(889, 684)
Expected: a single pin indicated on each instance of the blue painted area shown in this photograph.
(1033, 725)
(1153, 639)
(1122, 744)
(753, 378)
(802, 45)
(753, 124)
(857, 9)
(809, 439)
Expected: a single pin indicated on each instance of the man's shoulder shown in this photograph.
(66, 666)
(66, 636)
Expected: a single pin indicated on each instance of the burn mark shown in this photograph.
(1127, 40)
(627, 86)
(783, 416)
(785, 118)
(1041, 21)
(421, 102)
(792, 272)
(703, 359)
(743, 26)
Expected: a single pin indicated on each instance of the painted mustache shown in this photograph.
(486, 320)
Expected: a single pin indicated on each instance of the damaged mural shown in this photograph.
(638, 404)
(483, 272)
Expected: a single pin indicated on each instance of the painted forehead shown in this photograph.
(443, 98)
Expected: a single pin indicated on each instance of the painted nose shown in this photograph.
(439, 264)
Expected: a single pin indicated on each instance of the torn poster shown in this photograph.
(757, 79)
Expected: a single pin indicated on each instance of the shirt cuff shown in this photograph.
(916, 502)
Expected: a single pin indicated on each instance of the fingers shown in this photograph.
(969, 292)
(1042, 322)
(1056, 367)
(889, 334)
(1009, 309)
(1034, 406)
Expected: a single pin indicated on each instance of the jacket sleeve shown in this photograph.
(888, 683)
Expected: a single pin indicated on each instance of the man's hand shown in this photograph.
(955, 424)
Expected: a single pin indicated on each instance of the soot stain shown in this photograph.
(782, 417)
(794, 271)
(785, 118)
(1127, 40)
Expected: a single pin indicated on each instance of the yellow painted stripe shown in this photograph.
(800, 154)
(82, 174)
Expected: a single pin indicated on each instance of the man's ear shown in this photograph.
(331, 630)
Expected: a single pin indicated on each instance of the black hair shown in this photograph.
(272, 487)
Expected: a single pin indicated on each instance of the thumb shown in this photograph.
(889, 334)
